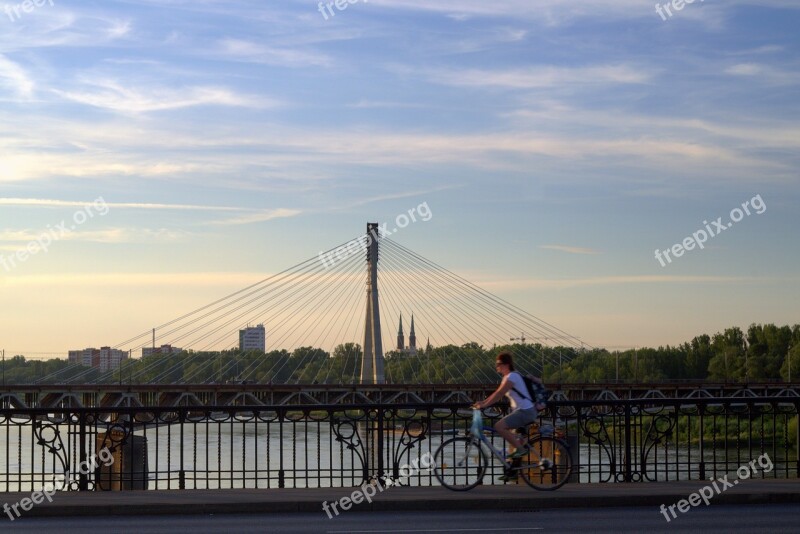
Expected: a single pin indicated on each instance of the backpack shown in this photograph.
(536, 392)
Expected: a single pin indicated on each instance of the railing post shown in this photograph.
(797, 441)
(83, 478)
(628, 448)
(702, 445)
(380, 444)
(182, 472)
(281, 472)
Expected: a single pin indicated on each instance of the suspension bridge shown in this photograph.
(329, 320)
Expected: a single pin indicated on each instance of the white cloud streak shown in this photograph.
(112, 95)
(15, 80)
(626, 280)
(570, 250)
(543, 76)
(52, 203)
(108, 235)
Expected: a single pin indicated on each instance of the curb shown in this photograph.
(190, 502)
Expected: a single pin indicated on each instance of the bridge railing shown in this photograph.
(304, 446)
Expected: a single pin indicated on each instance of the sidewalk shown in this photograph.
(511, 497)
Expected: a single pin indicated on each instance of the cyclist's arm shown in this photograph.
(504, 387)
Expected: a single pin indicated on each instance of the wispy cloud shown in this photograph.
(125, 151)
(114, 96)
(241, 50)
(249, 215)
(552, 12)
(53, 203)
(375, 104)
(119, 28)
(147, 280)
(745, 69)
(230, 279)
(66, 25)
(265, 215)
(108, 235)
(766, 49)
(543, 76)
(764, 72)
(15, 80)
(570, 250)
(395, 196)
(568, 283)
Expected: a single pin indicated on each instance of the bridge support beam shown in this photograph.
(372, 360)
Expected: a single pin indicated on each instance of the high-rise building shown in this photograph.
(103, 359)
(253, 338)
(110, 358)
(163, 349)
(81, 357)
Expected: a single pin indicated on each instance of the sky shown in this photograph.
(170, 152)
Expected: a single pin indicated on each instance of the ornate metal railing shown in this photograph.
(343, 446)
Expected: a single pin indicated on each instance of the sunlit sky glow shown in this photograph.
(558, 143)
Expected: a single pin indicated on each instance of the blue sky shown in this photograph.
(557, 143)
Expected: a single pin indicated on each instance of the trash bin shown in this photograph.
(129, 471)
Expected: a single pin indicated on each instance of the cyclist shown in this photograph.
(523, 408)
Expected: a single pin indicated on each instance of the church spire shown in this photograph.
(412, 337)
(400, 337)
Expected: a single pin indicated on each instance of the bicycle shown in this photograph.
(460, 463)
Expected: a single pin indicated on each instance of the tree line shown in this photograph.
(763, 352)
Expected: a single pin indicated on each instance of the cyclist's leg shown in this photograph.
(516, 419)
(507, 431)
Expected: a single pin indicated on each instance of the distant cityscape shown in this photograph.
(252, 338)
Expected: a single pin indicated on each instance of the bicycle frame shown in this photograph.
(500, 455)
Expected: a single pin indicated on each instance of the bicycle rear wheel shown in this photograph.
(459, 464)
(548, 465)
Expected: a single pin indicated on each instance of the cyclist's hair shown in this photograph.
(505, 357)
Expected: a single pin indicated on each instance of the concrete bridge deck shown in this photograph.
(396, 499)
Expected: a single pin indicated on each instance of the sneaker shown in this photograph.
(519, 453)
(509, 476)
(546, 464)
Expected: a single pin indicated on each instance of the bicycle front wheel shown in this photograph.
(459, 464)
(548, 465)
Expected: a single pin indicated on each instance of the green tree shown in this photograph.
(729, 355)
(698, 355)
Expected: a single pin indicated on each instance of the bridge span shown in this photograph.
(168, 395)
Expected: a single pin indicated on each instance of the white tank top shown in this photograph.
(518, 402)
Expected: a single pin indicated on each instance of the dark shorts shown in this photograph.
(520, 418)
